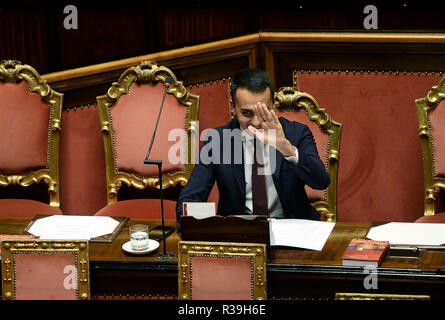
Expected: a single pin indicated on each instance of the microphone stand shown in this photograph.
(164, 255)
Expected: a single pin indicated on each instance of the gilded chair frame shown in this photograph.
(10, 247)
(290, 99)
(146, 72)
(255, 251)
(432, 183)
(13, 71)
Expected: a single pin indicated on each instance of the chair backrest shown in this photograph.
(31, 113)
(302, 107)
(37, 269)
(431, 115)
(128, 114)
(214, 105)
(221, 271)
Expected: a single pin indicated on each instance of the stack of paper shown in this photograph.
(73, 227)
(407, 233)
(300, 233)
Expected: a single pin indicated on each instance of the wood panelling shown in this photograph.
(277, 52)
(33, 32)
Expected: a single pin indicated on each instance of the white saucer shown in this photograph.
(152, 246)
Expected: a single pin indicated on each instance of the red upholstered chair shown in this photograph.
(214, 103)
(29, 133)
(302, 107)
(221, 271)
(128, 114)
(35, 269)
(431, 115)
(82, 162)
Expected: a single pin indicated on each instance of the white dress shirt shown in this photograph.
(274, 204)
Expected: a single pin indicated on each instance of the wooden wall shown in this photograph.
(34, 33)
(277, 52)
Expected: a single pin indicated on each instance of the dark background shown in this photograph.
(33, 32)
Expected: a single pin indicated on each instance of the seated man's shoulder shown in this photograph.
(286, 123)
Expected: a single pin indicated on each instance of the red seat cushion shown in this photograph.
(24, 208)
(437, 218)
(139, 209)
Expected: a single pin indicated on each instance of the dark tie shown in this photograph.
(259, 195)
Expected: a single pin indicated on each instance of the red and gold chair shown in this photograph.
(431, 114)
(35, 269)
(29, 157)
(221, 271)
(302, 107)
(214, 103)
(128, 113)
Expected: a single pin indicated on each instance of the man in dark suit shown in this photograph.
(283, 150)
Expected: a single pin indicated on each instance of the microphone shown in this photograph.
(168, 81)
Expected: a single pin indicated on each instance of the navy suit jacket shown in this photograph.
(289, 179)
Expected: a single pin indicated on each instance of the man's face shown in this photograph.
(243, 106)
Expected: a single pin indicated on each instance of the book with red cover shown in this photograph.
(364, 252)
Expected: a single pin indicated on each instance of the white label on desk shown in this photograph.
(199, 210)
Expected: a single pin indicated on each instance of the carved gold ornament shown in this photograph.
(13, 71)
(146, 73)
(290, 99)
(432, 182)
(255, 252)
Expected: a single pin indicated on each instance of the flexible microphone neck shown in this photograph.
(168, 81)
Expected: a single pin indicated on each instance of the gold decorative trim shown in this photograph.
(290, 99)
(10, 247)
(75, 108)
(379, 296)
(146, 73)
(432, 182)
(255, 252)
(207, 83)
(13, 71)
(211, 82)
(353, 72)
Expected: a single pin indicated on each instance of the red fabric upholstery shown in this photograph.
(83, 183)
(438, 137)
(214, 109)
(220, 278)
(23, 208)
(140, 209)
(133, 125)
(42, 276)
(437, 218)
(380, 174)
(23, 130)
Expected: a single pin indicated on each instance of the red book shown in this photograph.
(363, 252)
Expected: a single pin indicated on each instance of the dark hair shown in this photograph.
(252, 79)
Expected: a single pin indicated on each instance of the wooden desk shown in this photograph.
(292, 273)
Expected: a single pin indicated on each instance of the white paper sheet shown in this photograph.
(199, 210)
(407, 233)
(300, 233)
(73, 227)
